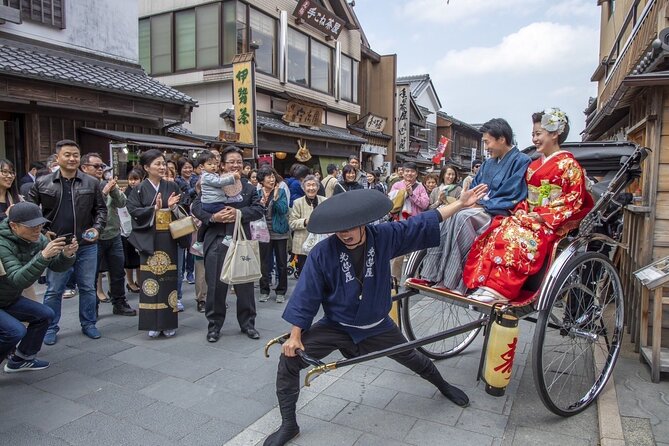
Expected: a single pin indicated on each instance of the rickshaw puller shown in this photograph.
(349, 275)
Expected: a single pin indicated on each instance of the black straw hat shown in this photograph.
(349, 210)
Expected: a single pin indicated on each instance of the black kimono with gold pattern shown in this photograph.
(158, 255)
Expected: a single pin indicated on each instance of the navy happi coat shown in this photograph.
(328, 278)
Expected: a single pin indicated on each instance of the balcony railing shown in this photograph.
(643, 34)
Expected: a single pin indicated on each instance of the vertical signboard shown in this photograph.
(402, 101)
(244, 94)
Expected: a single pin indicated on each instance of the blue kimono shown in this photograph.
(505, 191)
(328, 278)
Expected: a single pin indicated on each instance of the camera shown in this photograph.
(68, 238)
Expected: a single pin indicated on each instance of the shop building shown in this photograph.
(464, 145)
(632, 103)
(306, 57)
(59, 74)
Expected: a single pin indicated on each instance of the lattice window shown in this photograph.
(48, 12)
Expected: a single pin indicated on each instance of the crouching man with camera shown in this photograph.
(25, 254)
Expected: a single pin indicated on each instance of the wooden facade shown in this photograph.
(630, 109)
(38, 114)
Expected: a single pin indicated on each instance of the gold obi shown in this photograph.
(542, 195)
(163, 219)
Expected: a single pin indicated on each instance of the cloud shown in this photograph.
(536, 48)
(570, 8)
(455, 11)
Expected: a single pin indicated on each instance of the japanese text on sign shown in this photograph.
(303, 114)
(319, 17)
(375, 124)
(402, 113)
(242, 86)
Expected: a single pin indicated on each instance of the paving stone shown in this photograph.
(120, 331)
(358, 392)
(58, 353)
(91, 364)
(214, 432)
(324, 407)
(234, 382)
(438, 409)
(247, 437)
(132, 377)
(188, 370)
(46, 411)
(429, 433)
(70, 384)
(483, 422)
(527, 435)
(115, 400)
(373, 440)
(177, 391)
(167, 420)
(375, 421)
(230, 407)
(143, 357)
(413, 384)
(31, 378)
(315, 432)
(637, 431)
(22, 435)
(106, 346)
(266, 394)
(362, 373)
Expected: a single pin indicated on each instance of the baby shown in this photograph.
(217, 190)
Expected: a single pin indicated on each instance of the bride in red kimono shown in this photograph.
(515, 247)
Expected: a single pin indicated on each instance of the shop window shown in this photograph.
(298, 57)
(346, 78)
(145, 44)
(263, 37)
(234, 30)
(208, 23)
(161, 44)
(184, 39)
(355, 81)
(321, 62)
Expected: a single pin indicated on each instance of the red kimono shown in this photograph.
(515, 247)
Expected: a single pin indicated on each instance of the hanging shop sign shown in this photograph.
(228, 136)
(402, 101)
(309, 12)
(244, 94)
(299, 113)
(375, 123)
(371, 148)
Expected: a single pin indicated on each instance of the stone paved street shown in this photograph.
(127, 389)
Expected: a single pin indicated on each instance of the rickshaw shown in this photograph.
(576, 300)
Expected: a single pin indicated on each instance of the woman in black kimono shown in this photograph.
(153, 205)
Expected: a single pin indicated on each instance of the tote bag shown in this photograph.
(242, 261)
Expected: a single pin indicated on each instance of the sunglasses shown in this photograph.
(97, 166)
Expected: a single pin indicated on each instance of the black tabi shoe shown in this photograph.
(289, 428)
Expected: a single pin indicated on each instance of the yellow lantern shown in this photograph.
(280, 155)
(503, 338)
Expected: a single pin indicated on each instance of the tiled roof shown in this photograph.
(34, 63)
(369, 133)
(474, 128)
(323, 132)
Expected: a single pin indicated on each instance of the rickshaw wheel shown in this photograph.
(424, 315)
(577, 338)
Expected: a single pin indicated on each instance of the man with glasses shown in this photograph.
(110, 246)
(25, 254)
(73, 202)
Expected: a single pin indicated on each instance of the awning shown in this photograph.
(418, 160)
(143, 140)
(324, 133)
(371, 148)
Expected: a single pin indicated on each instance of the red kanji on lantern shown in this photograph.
(507, 357)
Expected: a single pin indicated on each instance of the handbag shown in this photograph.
(126, 221)
(242, 261)
(312, 240)
(398, 196)
(183, 226)
(259, 230)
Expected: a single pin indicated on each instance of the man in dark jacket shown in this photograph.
(217, 235)
(25, 254)
(73, 202)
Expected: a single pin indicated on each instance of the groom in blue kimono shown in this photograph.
(504, 174)
(348, 274)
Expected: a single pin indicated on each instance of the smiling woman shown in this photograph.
(8, 190)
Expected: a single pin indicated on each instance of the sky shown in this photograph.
(493, 58)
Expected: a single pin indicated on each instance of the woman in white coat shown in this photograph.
(299, 217)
